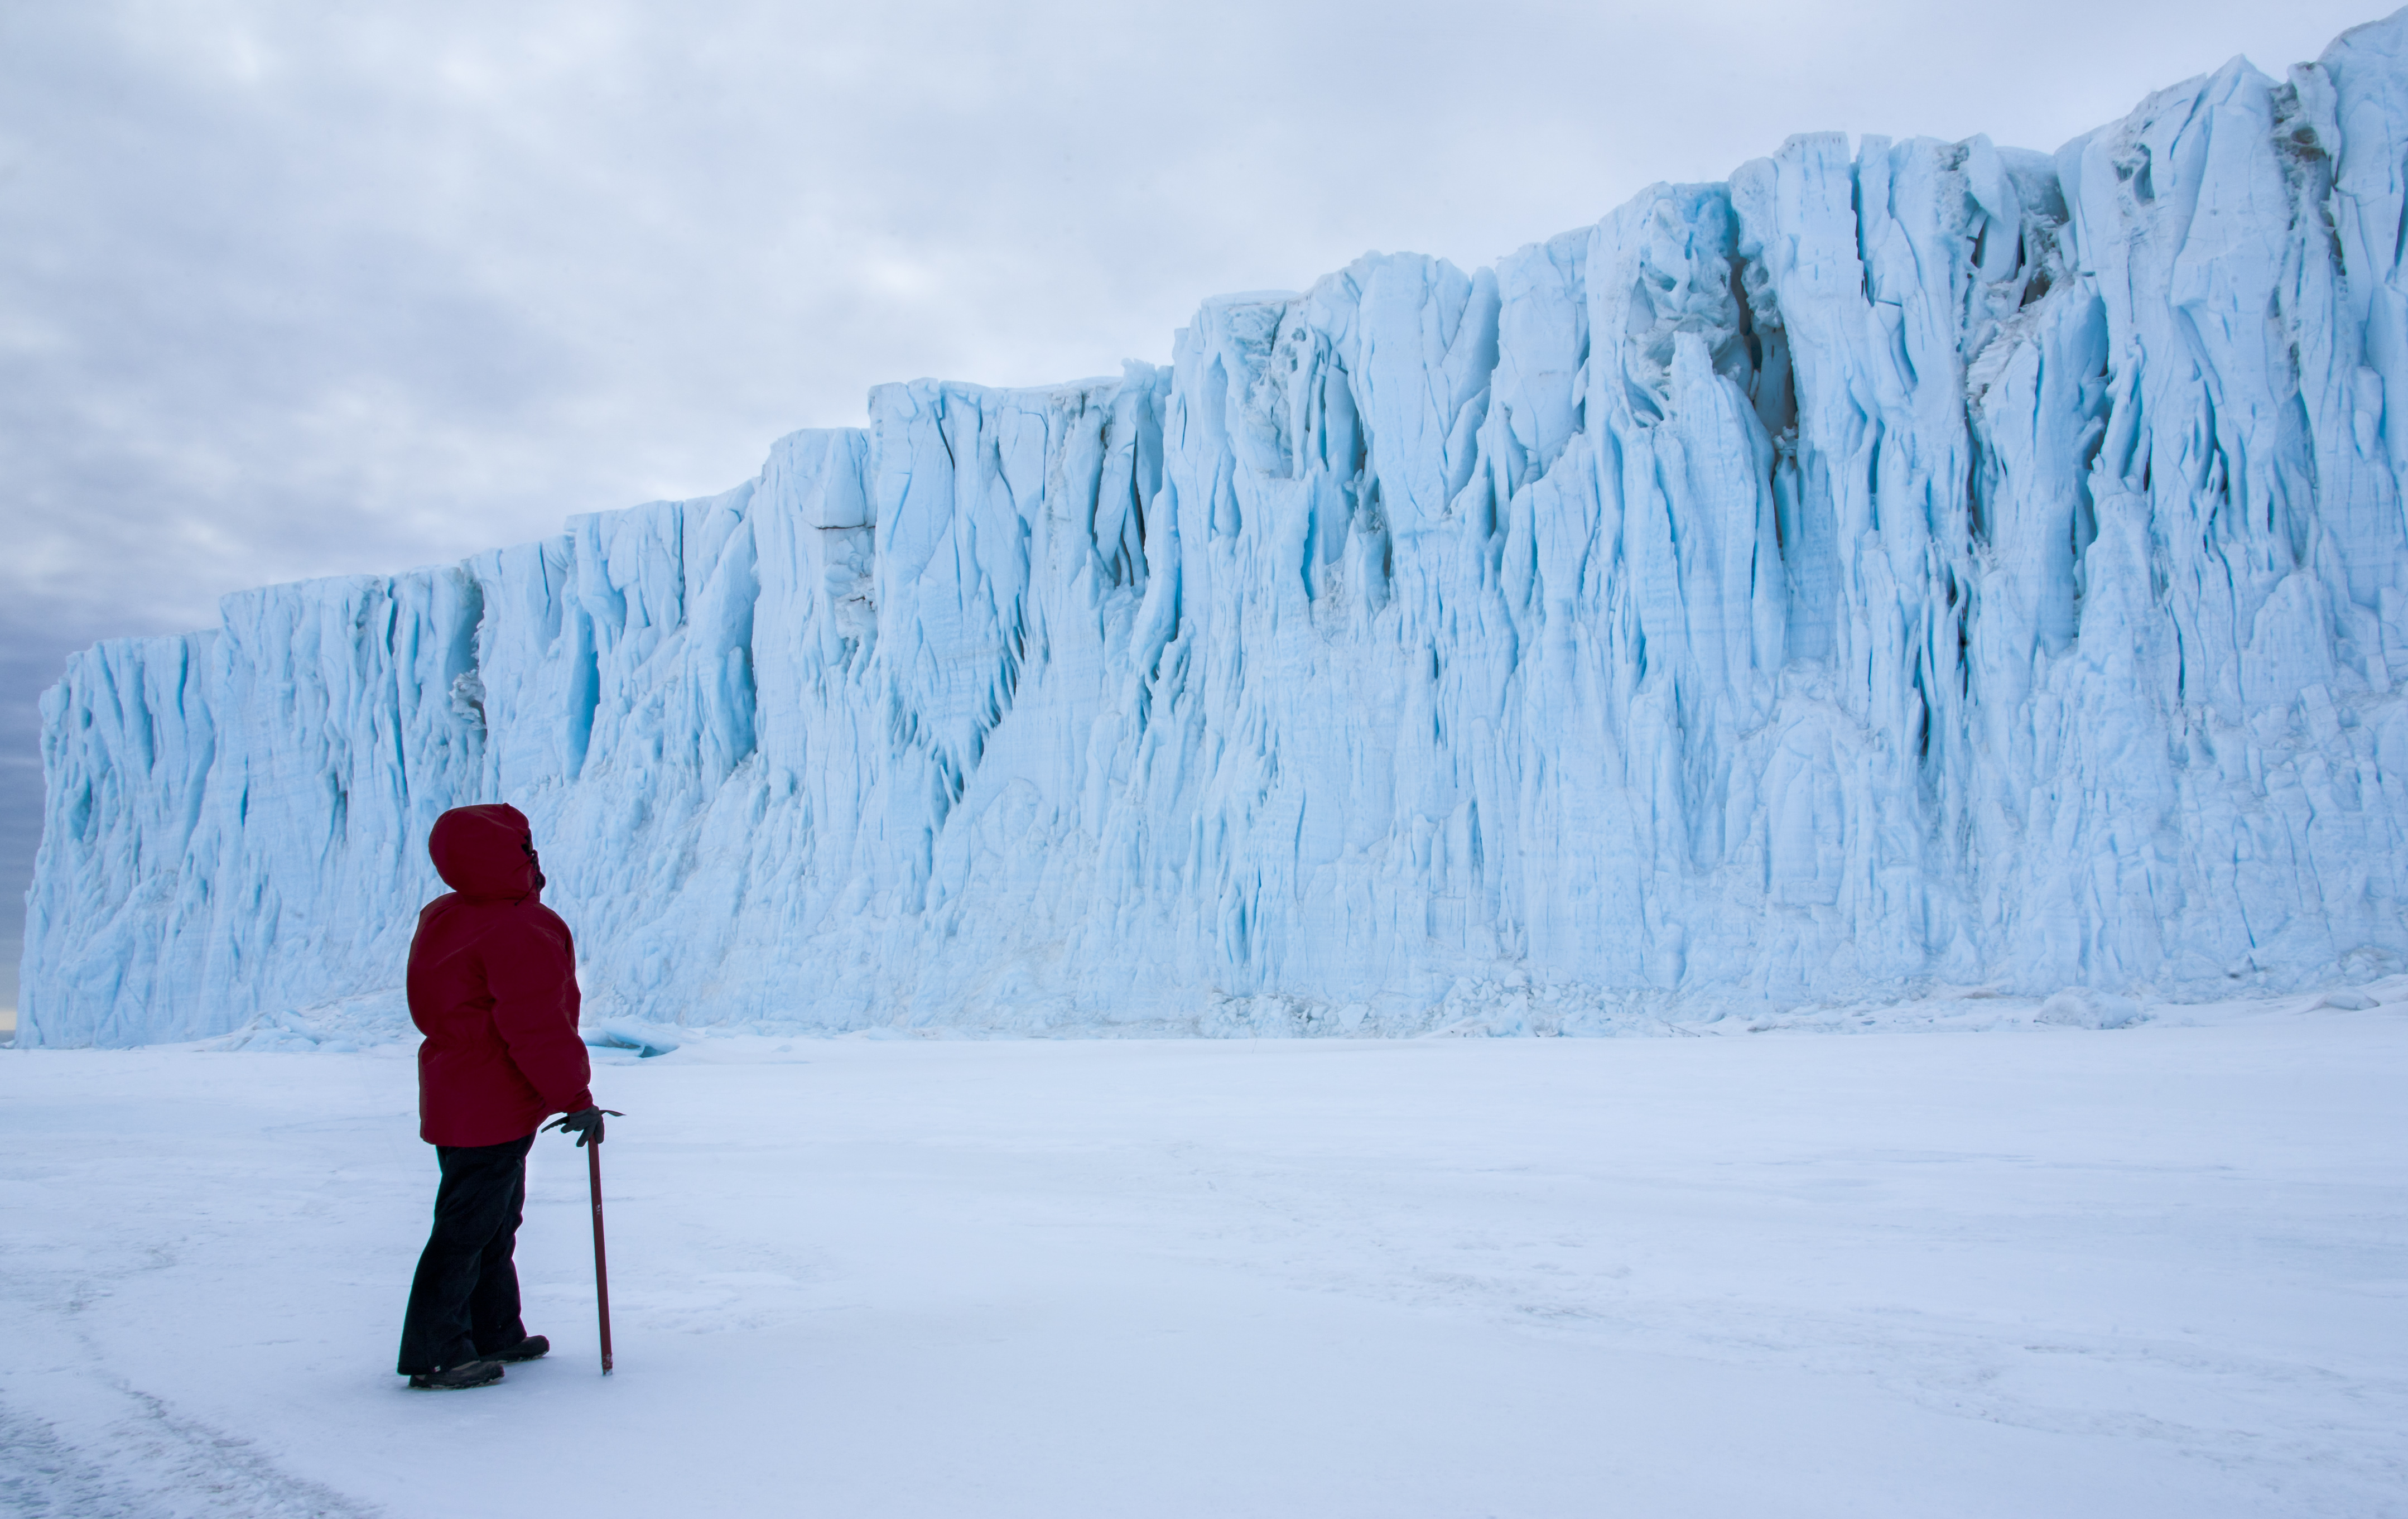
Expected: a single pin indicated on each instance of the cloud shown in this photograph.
(296, 289)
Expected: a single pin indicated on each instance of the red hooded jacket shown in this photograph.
(493, 986)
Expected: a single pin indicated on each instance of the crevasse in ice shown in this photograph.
(1938, 563)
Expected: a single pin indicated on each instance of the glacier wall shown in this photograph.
(1938, 563)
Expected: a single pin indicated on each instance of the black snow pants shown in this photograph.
(464, 1303)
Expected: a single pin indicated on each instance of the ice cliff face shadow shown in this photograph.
(1935, 562)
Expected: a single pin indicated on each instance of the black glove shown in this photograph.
(586, 1126)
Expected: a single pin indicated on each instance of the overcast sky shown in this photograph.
(304, 288)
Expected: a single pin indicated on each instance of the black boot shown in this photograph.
(532, 1348)
(466, 1374)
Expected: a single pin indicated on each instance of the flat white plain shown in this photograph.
(2154, 1270)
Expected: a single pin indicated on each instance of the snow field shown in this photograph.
(2157, 1271)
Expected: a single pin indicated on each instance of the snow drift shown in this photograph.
(1938, 564)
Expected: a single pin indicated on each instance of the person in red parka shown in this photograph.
(493, 986)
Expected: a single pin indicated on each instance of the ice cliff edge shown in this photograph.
(1935, 563)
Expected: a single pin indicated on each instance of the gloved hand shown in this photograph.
(586, 1126)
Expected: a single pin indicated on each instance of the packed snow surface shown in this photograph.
(2161, 1270)
(1925, 562)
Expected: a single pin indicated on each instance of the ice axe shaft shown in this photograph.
(601, 1263)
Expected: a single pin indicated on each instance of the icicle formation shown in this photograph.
(1951, 562)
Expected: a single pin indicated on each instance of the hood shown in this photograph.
(486, 850)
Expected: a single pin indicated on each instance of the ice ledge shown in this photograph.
(1928, 563)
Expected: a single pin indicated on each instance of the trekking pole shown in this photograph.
(601, 1265)
(589, 1139)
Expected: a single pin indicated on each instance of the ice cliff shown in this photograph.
(1935, 564)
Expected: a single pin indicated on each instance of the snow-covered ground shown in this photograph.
(2153, 1271)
